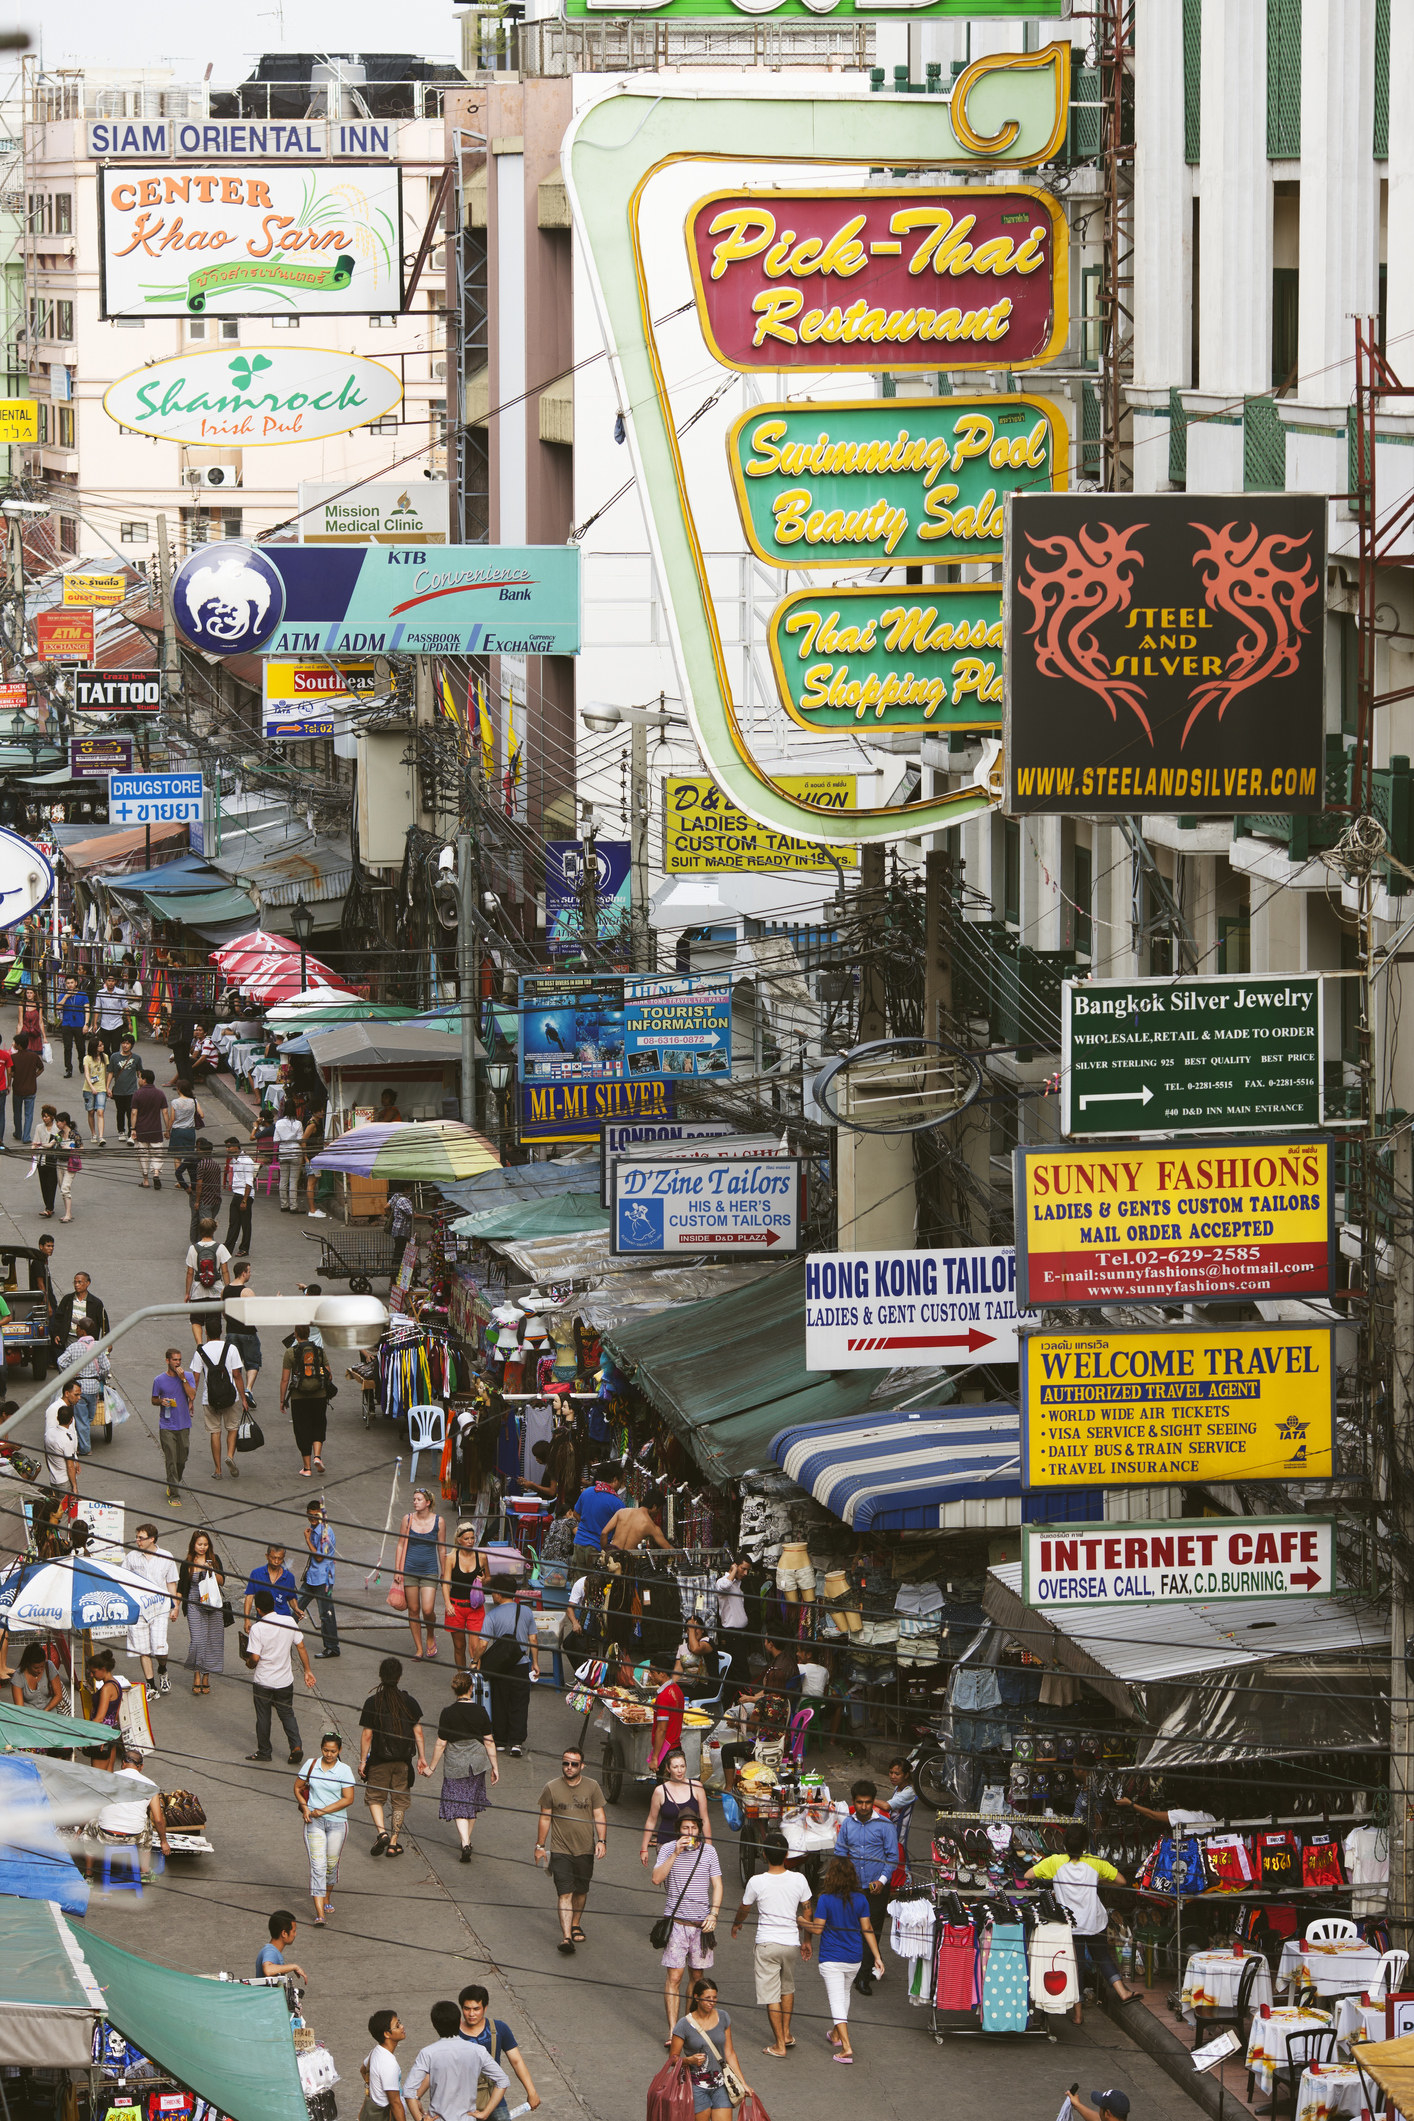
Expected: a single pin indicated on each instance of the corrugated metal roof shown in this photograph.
(290, 869)
(1141, 1643)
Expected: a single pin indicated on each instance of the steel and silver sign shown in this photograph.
(911, 1310)
(1178, 1561)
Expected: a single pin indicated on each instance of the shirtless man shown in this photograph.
(629, 1529)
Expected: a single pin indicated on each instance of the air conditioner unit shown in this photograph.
(437, 259)
(439, 371)
(220, 475)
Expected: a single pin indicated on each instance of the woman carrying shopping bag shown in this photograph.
(324, 1791)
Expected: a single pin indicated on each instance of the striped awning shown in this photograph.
(956, 1468)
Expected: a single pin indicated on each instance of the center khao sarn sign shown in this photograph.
(260, 396)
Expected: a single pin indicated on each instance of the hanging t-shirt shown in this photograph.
(1054, 1983)
(1367, 1864)
(1077, 1880)
(1005, 1995)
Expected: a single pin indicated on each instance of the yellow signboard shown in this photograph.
(19, 420)
(704, 834)
(91, 590)
(1132, 1409)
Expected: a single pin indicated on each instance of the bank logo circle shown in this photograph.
(228, 599)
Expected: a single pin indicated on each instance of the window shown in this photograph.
(283, 323)
(132, 534)
(42, 420)
(1090, 466)
(41, 317)
(196, 327)
(64, 415)
(1090, 327)
(1283, 79)
(230, 327)
(1178, 440)
(230, 520)
(382, 323)
(1194, 308)
(41, 214)
(437, 417)
(1235, 942)
(1381, 80)
(1082, 893)
(1349, 672)
(1011, 872)
(68, 534)
(1192, 78)
(63, 320)
(387, 425)
(1286, 304)
(1263, 447)
(63, 213)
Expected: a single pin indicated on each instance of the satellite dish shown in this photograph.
(897, 1086)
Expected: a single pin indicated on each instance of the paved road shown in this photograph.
(408, 1932)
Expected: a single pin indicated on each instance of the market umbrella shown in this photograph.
(429, 1149)
(77, 1592)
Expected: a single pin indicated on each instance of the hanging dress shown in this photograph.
(1005, 1990)
(956, 1985)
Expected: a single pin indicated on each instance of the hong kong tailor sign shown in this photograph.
(880, 278)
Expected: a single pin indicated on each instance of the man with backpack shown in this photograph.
(306, 1388)
(220, 1379)
(208, 1267)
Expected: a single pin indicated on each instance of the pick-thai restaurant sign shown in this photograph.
(259, 396)
(1165, 652)
(1191, 1222)
(258, 241)
(858, 483)
(1178, 1561)
(880, 277)
(911, 1310)
(853, 659)
(1115, 1409)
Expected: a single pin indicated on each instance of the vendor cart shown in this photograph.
(358, 1253)
(625, 1752)
(27, 1329)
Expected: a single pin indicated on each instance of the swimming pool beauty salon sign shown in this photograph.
(259, 396)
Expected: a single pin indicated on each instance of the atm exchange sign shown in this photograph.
(1180, 1562)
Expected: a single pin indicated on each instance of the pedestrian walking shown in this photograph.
(306, 1388)
(272, 1644)
(108, 1011)
(781, 1897)
(151, 1117)
(125, 1072)
(841, 1922)
(7, 1062)
(272, 1575)
(147, 1639)
(289, 1149)
(207, 1179)
(466, 1746)
(44, 1138)
(320, 1545)
(499, 2041)
(208, 1266)
(73, 1016)
(324, 1791)
(93, 1372)
(574, 1821)
(463, 1600)
(690, 1872)
(201, 1588)
(675, 1797)
(381, 2071)
(704, 2036)
(507, 1636)
(174, 1396)
(868, 1839)
(243, 1177)
(61, 1451)
(419, 1565)
(95, 1090)
(185, 1116)
(452, 2077)
(68, 1161)
(391, 1723)
(25, 1070)
(270, 1960)
(246, 1338)
(216, 1366)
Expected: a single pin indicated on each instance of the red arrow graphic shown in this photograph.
(1308, 1576)
(972, 1340)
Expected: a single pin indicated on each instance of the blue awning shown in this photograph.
(948, 1469)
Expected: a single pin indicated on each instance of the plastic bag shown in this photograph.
(397, 1599)
(751, 2109)
(670, 2093)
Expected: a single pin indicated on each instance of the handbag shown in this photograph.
(249, 1435)
(183, 1810)
(397, 1599)
(732, 2084)
(662, 1929)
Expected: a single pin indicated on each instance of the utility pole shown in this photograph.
(167, 639)
(589, 888)
(872, 1020)
(642, 954)
(467, 955)
(1399, 1488)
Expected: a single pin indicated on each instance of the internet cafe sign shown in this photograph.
(249, 400)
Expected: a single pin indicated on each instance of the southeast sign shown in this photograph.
(1191, 1056)
(705, 835)
(313, 698)
(214, 397)
(1135, 1409)
(874, 479)
(1178, 1561)
(1218, 1221)
(880, 277)
(911, 1310)
(696, 1208)
(852, 659)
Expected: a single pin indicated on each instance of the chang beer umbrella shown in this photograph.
(409, 1150)
(77, 1592)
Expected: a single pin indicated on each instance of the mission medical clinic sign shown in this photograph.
(1174, 1563)
(261, 396)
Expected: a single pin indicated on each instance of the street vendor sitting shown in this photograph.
(134, 1813)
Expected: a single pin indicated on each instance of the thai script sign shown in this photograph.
(880, 278)
(93, 758)
(704, 834)
(890, 658)
(89, 591)
(861, 482)
(154, 798)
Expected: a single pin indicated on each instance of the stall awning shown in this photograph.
(201, 909)
(119, 851)
(24, 1729)
(514, 1221)
(383, 1045)
(190, 872)
(727, 1374)
(34, 1863)
(910, 1472)
(48, 1995)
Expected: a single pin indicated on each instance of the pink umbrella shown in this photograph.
(268, 967)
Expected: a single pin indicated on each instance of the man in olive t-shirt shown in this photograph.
(572, 1817)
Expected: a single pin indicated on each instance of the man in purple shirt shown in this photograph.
(173, 1394)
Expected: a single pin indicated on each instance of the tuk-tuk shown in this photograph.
(28, 1331)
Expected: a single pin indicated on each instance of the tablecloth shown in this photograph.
(1354, 2015)
(1323, 2093)
(1211, 1981)
(1337, 1969)
(1266, 2043)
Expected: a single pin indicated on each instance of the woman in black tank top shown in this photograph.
(675, 1794)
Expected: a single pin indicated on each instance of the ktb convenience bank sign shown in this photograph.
(1183, 1561)
(867, 1310)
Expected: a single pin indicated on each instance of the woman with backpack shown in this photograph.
(306, 1387)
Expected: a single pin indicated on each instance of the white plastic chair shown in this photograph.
(427, 1431)
(1389, 1975)
(1331, 1929)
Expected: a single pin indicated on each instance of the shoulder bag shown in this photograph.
(662, 1929)
(731, 2083)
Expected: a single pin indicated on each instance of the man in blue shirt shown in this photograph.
(872, 1847)
(319, 1575)
(275, 1578)
(590, 1515)
(270, 1959)
(500, 2043)
(73, 1015)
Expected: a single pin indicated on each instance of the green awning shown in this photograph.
(727, 1374)
(48, 1997)
(33, 1729)
(558, 1215)
(200, 909)
(230, 2044)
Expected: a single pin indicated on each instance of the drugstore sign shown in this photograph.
(857, 659)
(1122, 1409)
(261, 396)
(861, 482)
(1173, 1563)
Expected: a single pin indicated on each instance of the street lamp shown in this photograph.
(498, 1075)
(302, 921)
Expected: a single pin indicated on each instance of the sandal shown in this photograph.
(379, 1845)
(577, 1936)
(395, 1848)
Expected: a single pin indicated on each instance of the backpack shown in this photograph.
(206, 1265)
(309, 1373)
(220, 1392)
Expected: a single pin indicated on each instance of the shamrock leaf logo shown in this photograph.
(244, 371)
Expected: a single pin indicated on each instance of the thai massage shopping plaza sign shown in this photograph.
(250, 242)
(880, 278)
(1121, 1409)
(852, 658)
